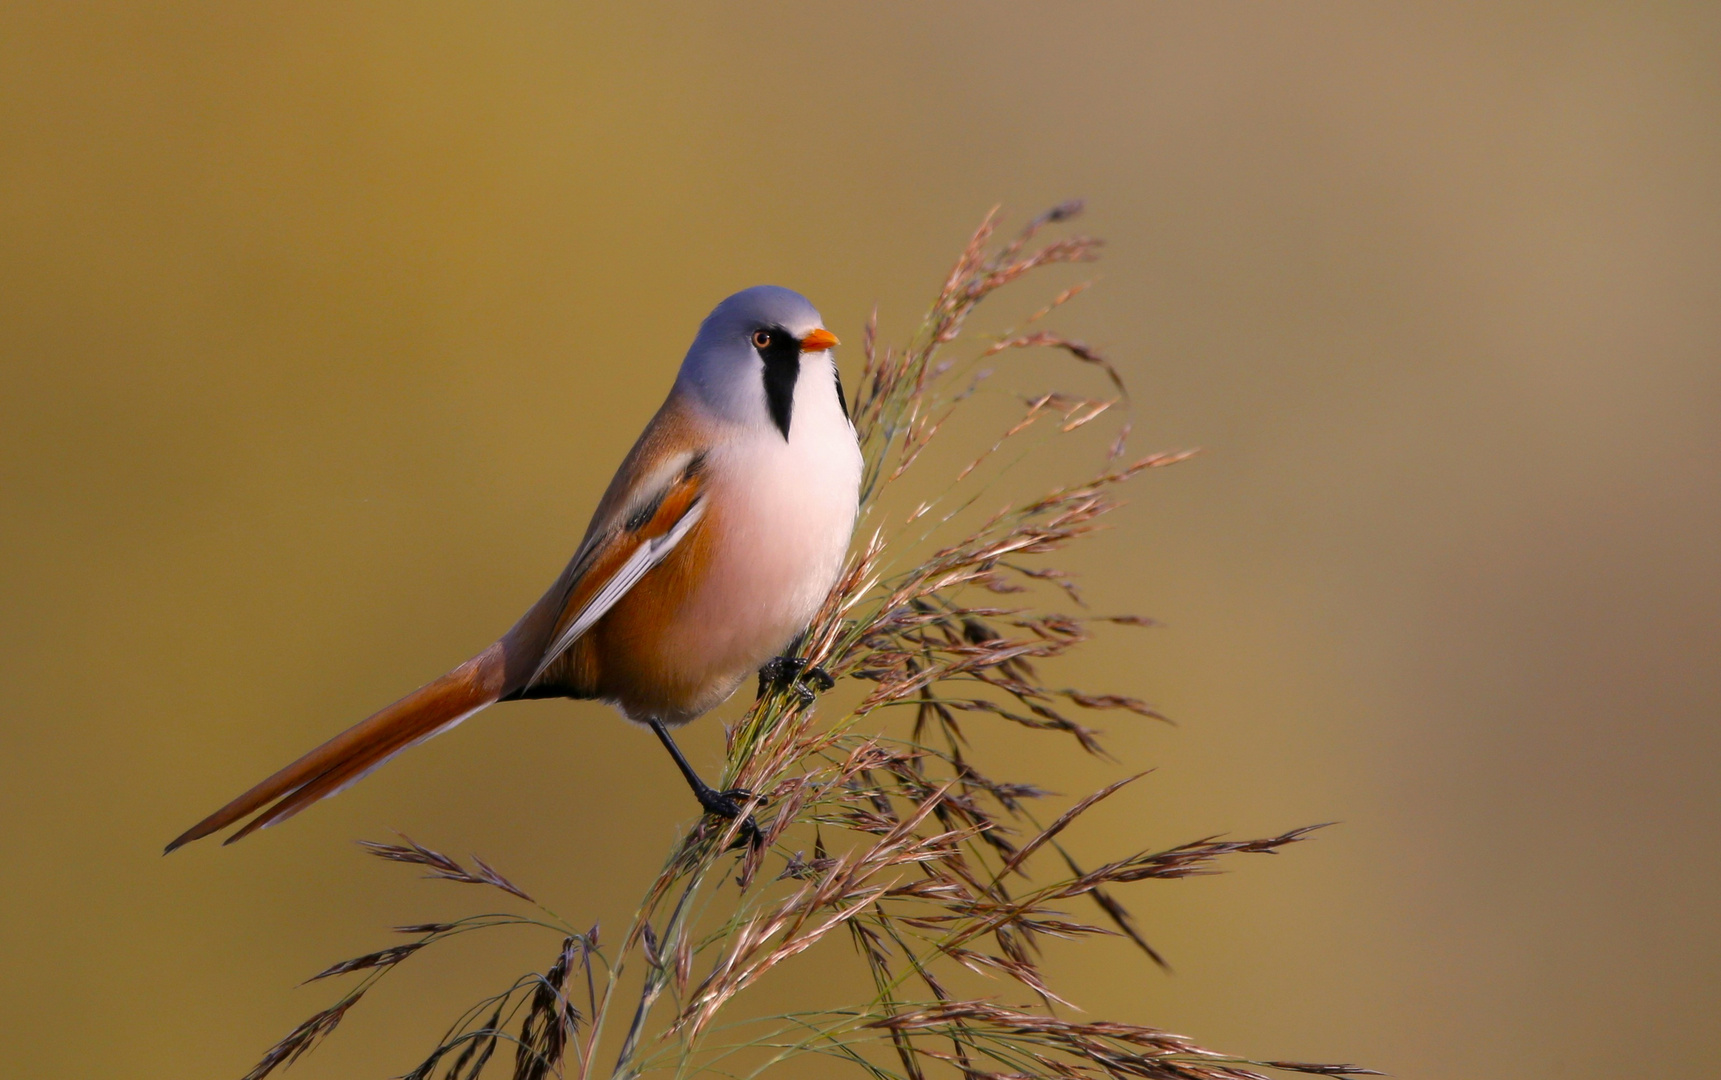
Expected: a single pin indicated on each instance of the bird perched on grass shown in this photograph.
(711, 550)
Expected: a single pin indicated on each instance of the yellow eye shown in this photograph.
(761, 339)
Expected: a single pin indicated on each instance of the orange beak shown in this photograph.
(818, 340)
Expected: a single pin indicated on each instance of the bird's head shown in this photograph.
(746, 362)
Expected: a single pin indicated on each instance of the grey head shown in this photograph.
(747, 358)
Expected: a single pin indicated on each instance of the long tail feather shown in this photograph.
(349, 756)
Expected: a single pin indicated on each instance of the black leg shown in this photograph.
(725, 804)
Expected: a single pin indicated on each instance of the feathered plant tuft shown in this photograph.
(918, 859)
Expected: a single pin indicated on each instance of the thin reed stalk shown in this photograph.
(920, 861)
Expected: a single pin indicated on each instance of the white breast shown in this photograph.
(784, 511)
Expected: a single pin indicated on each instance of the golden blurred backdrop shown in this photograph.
(323, 326)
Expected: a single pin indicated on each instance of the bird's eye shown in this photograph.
(761, 339)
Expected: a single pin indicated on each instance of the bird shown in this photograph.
(721, 534)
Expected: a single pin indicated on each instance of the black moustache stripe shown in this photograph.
(782, 366)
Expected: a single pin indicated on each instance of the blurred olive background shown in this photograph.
(323, 326)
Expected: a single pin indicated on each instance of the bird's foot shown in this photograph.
(792, 673)
(729, 804)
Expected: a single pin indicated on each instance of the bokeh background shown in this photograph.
(323, 325)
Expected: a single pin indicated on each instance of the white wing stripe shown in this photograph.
(648, 555)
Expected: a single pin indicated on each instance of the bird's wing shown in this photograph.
(657, 498)
(613, 561)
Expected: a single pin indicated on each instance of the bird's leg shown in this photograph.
(792, 673)
(725, 804)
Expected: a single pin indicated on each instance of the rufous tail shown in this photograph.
(345, 759)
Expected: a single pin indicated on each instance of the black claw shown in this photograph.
(779, 671)
(728, 804)
(792, 673)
